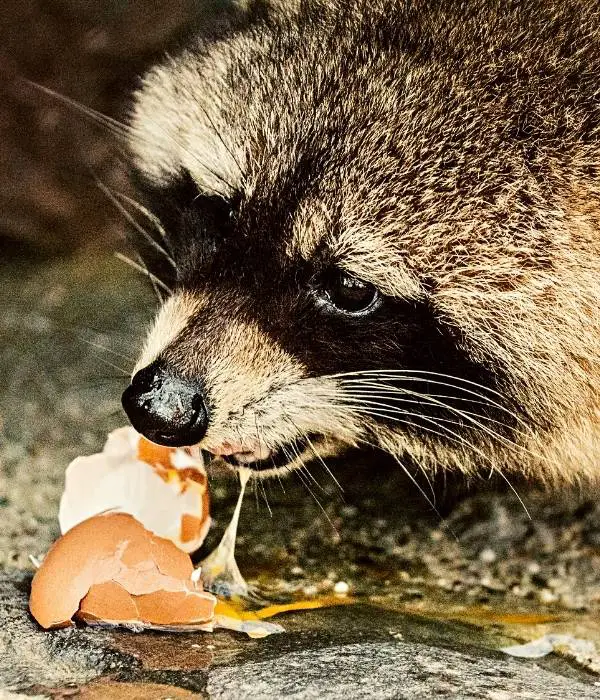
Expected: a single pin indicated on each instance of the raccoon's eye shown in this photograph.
(348, 294)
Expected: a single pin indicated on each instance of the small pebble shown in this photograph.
(487, 555)
(547, 596)
(533, 568)
(341, 588)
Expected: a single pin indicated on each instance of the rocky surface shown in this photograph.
(357, 652)
(437, 594)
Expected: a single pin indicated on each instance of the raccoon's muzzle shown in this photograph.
(165, 407)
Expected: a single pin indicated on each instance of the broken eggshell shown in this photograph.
(113, 565)
(164, 488)
(111, 568)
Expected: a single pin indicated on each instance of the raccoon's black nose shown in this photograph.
(165, 407)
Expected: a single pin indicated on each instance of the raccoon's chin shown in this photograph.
(271, 462)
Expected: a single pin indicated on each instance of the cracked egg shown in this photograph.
(130, 515)
(110, 568)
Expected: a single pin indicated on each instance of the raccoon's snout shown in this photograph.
(165, 407)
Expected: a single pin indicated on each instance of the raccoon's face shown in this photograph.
(360, 253)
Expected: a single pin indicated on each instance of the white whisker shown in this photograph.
(469, 418)
(298, 473)
(154, 220)
(420, 489)
(317, 455)
(147, 236)
(123, 131)
(144, 271)
(106, 349)
(359, 397)
(411, 375)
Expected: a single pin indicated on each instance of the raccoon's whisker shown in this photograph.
(106, 349)
(106, 362)
(448, 434)
(359, 396)
(508, 443)
(412, 378)
(429, 482)
(323, 463)
(255, 489)
(154, 220)
(513, 489)
(358, 409)
(360, 400)
(294, 447)
(113, 125)
(152, 282)
(394, 410)
(311, 476)
(280, 480)
(119, 129)
(359, 388)
(298, 473)
(475, 422)
(316, 454)
(430, 501)
(410, 375)
(454, 436)
(258, 437)
(261, 485)
(144, 271)
(147, 236)
(420, 489)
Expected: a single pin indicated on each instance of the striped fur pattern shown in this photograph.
(444, 151)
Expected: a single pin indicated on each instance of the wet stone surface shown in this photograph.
(436, 595)
(352, 651)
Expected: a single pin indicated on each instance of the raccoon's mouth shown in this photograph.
(263, 459)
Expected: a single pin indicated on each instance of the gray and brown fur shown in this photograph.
(445, 151)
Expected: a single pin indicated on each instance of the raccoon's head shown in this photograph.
(376, 234)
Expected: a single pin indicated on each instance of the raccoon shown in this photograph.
(380, 227)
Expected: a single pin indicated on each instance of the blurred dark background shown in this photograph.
(91, 51)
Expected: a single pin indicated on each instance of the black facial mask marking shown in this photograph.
(194, 223)
(234, 254)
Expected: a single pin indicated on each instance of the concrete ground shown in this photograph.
(436, 594)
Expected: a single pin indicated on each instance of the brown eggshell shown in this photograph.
(192, 528)
(111, 598)
(114, 554)
(110, 602)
